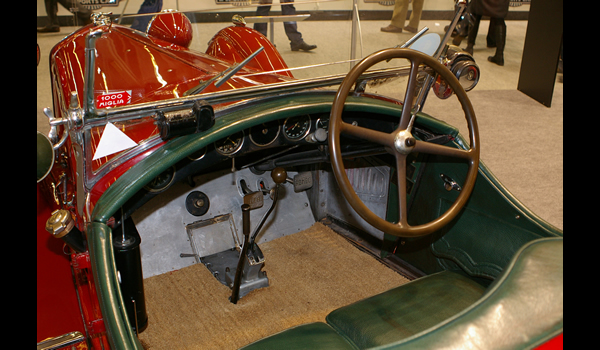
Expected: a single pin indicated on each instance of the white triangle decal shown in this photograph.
(112, 141)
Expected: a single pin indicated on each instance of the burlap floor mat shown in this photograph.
(311, 273)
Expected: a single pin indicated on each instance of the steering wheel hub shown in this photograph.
(404, 142)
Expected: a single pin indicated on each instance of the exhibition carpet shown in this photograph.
(310, 273)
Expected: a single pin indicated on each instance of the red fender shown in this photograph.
(235, 43)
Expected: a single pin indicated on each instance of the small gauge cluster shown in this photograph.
(274, 133)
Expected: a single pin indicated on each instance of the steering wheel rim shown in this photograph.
(401, 143)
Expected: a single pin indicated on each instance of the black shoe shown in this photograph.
(303, 46)
(49, 29)
(497, 60)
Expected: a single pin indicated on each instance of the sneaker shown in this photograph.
(391, 29)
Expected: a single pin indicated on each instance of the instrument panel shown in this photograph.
(296, 129)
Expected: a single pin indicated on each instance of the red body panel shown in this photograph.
(173, 27)
(57, 306)
(234, 44)
(552, 344)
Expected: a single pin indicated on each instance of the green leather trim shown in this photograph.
(114, 314)
(406, 310)
(523, 308)
(308, 336)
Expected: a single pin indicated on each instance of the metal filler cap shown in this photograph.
(238, 20)
(60, 223)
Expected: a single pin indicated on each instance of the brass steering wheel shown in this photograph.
(400, 143)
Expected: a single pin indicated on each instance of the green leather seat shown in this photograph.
(405, 310)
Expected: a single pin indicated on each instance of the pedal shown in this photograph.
(303, 181)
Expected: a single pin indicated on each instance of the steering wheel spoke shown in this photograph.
(402, 200)
(409, 96)
(435, 149)
(371, 135)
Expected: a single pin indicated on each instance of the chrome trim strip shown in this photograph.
(61, 341)
(90, 64)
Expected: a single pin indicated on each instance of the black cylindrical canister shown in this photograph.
(126, 243)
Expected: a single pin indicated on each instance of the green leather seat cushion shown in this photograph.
(312, 336)
(404, 311)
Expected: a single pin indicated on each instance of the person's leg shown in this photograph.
(500, 36)
(398, 17)
(148, 6)
(262, 11)
(291, 29)
(473, 34)
(51, 11)
(491, 36)
(415, 16)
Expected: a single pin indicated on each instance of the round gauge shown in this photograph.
(162, 181)
(230, 144)
(296, 128)
(264, 134)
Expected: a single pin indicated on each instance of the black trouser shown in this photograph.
(496, 36)
(291, 28)
(52, 10)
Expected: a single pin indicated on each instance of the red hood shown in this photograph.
(149, 69)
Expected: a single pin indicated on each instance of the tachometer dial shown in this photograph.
(230, 144)
(264, 134)
(296, 128)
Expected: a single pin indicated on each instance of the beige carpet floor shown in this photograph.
(311, 273)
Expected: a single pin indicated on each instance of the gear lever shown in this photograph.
(250, 251)
(279, 176)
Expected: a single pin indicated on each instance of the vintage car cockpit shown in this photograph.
(161, 160)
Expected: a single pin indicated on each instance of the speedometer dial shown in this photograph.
(230, 144)
(296, 128)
